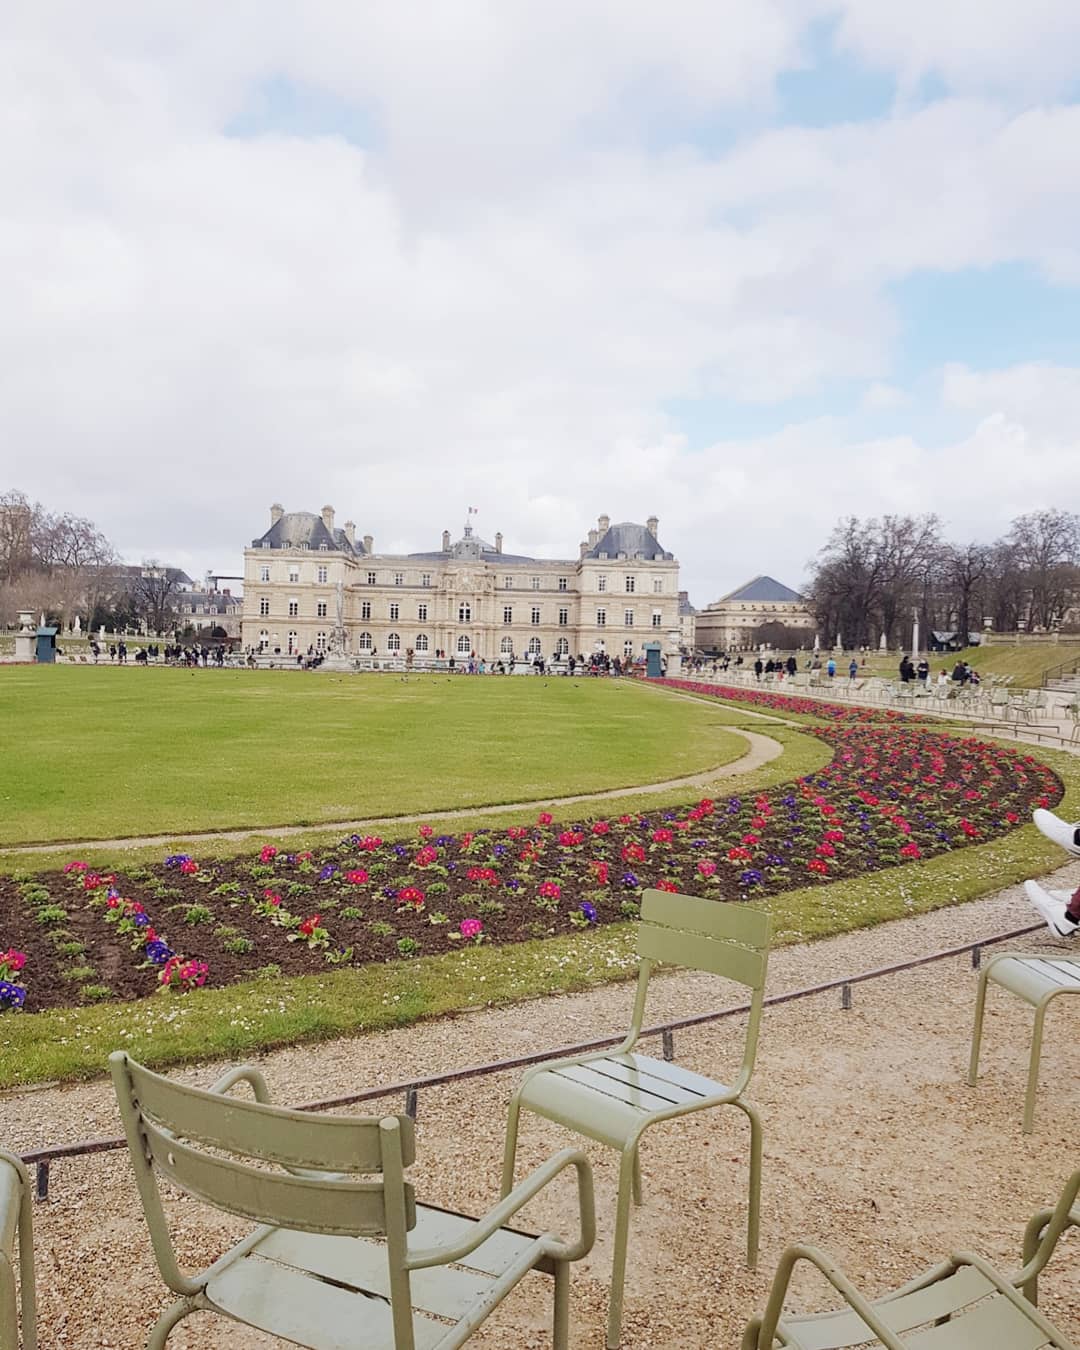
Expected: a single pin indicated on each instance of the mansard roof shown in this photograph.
(297, 529)
(761, 590)
(635, 541)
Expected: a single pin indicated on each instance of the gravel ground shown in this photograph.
(874, 1148)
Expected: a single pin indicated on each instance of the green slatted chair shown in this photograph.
(343, 1257)
(962, 1304)
(614, 1097)
(16, 1254)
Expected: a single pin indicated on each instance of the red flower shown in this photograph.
(544, 818)
(356, 876)
(667, 886)
(189, 866)
(426, 856)
(267, 852)
(568, 838)
(662, 836)
(817, 865)
(600, 827)
(911, 850)
(309, 925)
(369, 843)
(633, 853)
(738, 854)
(601, 869)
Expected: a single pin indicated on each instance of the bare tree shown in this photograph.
(966, 569)
(153, 592)
(1046, 545)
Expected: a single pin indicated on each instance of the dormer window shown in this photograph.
(322, 547)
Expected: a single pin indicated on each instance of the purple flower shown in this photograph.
(11, 995)
(328, 871)
(176, 859)
(588, 910)
(401, 851)
(629, 879)
(141, 920)
(442, 840)
(158, 952)
(751, 877)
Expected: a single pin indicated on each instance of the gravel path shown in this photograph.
(762, 750)
(874, 1147)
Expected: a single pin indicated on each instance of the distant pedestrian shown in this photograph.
(853, 669)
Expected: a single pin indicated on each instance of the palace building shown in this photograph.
(764, 610)
(466, 598)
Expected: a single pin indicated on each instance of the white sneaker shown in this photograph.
(1051, 910)
(1060, 831)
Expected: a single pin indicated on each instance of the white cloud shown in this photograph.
(880, 396)
(495, 302)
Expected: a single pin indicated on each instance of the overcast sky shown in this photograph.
(747, 266)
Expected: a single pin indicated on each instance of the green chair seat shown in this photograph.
(1038, 980)
(613, 1098)
(344, 1258)
(962, 1304)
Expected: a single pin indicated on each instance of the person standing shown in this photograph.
(853, 669)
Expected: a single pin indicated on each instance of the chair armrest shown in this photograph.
(244, 1073)
(774, 1309)
(1042, 1234)
(496, 1217)
(1007, 1289)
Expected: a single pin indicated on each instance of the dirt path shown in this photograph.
(762, 750)
(875, 1148)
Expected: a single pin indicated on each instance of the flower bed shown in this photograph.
(891, 794)
(793, 703)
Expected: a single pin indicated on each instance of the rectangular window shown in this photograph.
(399, 578)
(394, 611)
(508, 614)
(536, 583)
(365, 609)
(294, 572)
(536, 613)
(628, 618)
(264, 605)
(562, 584)
(658, 585)
(564, 617)
(294, 608)
(264, 572)
(631, 585)
(508, 583)
(320, 609)
(421, 613)
(371, 578)
(601, 618)
(657, 618)
(321, 575)
(425, 578)
(601, 583)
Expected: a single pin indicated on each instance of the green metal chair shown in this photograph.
(961, 1304)
(1038, 980)
(613, 1098)
(323, 1190)
(16, 1253)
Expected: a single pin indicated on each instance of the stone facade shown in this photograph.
(728, 624)
(465, 598)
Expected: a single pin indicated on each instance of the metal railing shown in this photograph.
(42, 1158)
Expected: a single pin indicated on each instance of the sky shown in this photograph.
(749, 268)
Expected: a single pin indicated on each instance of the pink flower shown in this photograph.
(76, 867)
(544, 818)
(600, 827)
(706, 867)
(426, 856)
(12, 959)
(662, 836)
(601, 869)
(568, 838)
(369, 843)
(272, 898)
(550, 890)
(267, 852)
(426, 831)
(470, 928)
(188, 866)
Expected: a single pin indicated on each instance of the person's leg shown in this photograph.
(1062, 832)
(1060, 912)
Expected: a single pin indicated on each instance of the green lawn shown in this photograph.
(92, 753)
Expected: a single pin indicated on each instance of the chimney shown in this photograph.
(593, 537)
(498, 541)
(227, 591)
(328, 518)
(584, 547)
(369, 543)
(605, 524)
(350, 531)
(276, 512)
(652, 525)
(446, 541)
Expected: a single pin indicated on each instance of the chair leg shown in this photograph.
(1033, 1069)
(560, 1330)
(753, 1217)
(169, 1318)
(637, 1177)
(621, 1239)
(510, 1147)
(976, 1034)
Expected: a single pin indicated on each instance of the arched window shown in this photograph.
(464, 613)
(320, 642)
(562, 647)
(393, 643)
(421, 642)
(464, 645)
(292, 642)
(506, 647)
(264, 639)
(534, 647)
(364, 643)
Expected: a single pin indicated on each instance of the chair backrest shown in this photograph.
(725, 939)
(267, 1163)
(16, 1253)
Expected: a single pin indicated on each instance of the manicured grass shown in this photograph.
(103, 752)
(1027, 664)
